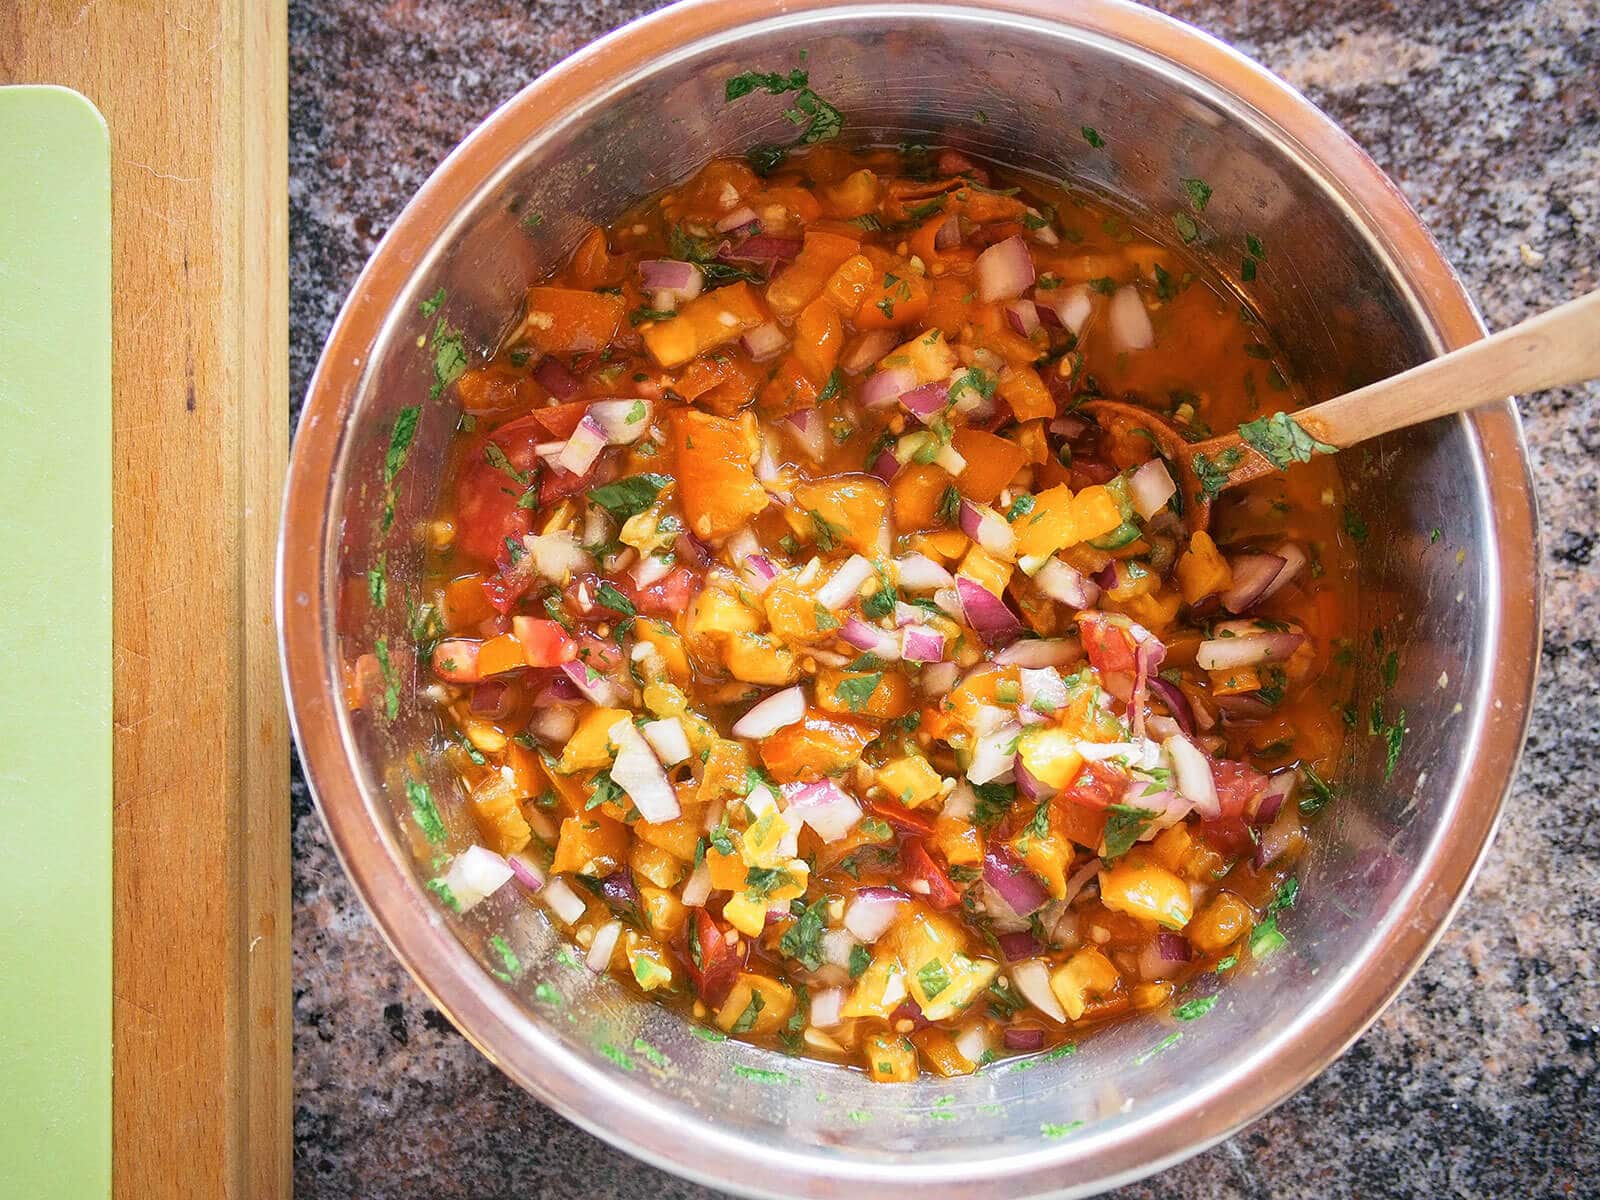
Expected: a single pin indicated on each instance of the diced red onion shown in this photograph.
(1005, 270)
(948, 235)
(1163, 955)
(620, 892)
(927, 401)
(1067, 584)
(1029, 785)
(553, 375)
(1192, 772)
(986, 613)
(772, 714)
(1147, 658)
(1248, 650)
(638, 772)
(1023, 316)
(1018, 946)
(887, 466)
(528, 873)
(760, 572)
(1013, 882)
(865, 636)
(1263, 808)
(1080, 879)
(872, 910)
(764, 341)
(1277, 837)
(825, 1008)
(846, 582)
(491, 699)
(1130, 323)
(1040, 652)
(1033, 982)
(872, 346)
(1072, 306)
(884, 387)
(1177, 703)
(920, 643)
(1024, 1039)
(911, 1011)
(809, 431)
(593, 686)
(737, 219)
(828, 809)
(1068, 426)
(988, 528)
(1150, 487)
(476, 873)
(938, 678)
(1106, 577)
(764, 248)
(683, 279)
(919, 573)
(1253, 574)
(583, 447)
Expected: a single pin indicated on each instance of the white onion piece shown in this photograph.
(668, 740)
(973, 1041)
(1040, 652)
(1033, 981)
(1005, 270)
(837, 945)
(961, 803)
(994, 755)
(825, 1008)
(1080, 879)
(638, 772)
(1043, 689)
(950, 459)
(1231, 653)
(697, 888)
(827, 808)
(1066, 584)
(556, 556)
(567, 905)
(1150, 487)
(865, 636)
(872, 910)
(652, 568)
(624, 421)
(938, 678)
(555, 724)
(1072, 306)
(772, 714)
(598, 959)
(737, 219)
(476, 873)
(1130, 323)
(764, 341)
(919, 573)
(1193, 775)
(583, 447)
(846, 582)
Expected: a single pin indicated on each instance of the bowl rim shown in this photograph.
(624, 1115)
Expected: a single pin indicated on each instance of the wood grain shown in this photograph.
(194, 92)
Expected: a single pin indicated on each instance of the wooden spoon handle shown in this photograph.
(1558, 347)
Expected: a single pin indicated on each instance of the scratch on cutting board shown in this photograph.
(163, 174)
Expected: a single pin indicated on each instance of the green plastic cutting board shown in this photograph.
(55, 646)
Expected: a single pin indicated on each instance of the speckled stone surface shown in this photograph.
(1483, 1079)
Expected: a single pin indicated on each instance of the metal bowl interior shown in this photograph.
(1353, 288)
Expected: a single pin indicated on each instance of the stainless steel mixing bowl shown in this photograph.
(1354, 289)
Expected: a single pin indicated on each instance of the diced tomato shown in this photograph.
(1109, 645)
(714, 963)
(456, 660)
(505, 589)
(544, 643)
(903, 819)
(1237, 784)
(559, 420)
(1086, 472)
(556, 484)
(917, 866)
(1097, 785)
(667, 596)
(598, 653)
(487, 512)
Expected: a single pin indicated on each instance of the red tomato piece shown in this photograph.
(902, 818)
(559, 420)
(556, 484)
(666, 597)
(544, 643)
(456, 660)
(598, 653)
(487, 513)
(1109, 645)
(1097, 785)
(1237, 784)
(917, 866)
(714, 964)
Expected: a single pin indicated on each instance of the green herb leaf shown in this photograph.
(1092, 136)
(1212, 472)
(949, 506)
(608, 595)
(1124, 824)
(752, 1010)
(860, 960)
(424, 811)
(1185, 225)
(1355, 526)
(827, 535)
(768, 81)
(857, 690)
(603, 789)
(1193, 1010)
(1318, 794)
(645, 313)
(628, 497)
(933, 977)
(432, 304)
(803, 940)
(994, 801)
(1282, 440)
(391, 678)
(1199, 193)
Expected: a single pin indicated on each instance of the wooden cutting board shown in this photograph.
(194, 94)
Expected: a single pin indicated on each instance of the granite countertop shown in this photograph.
(1483, 1079)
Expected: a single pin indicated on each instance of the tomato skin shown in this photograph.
(598, 653)
(666, 597)
(1109, 646)
(1237, 784)
(559, 420)
(719, 964)
(917, 865)
(487, 513)
(1097, 786)
(544, 643)
(903, 819)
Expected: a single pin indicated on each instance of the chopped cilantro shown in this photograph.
(860, 960)
(1185, 225)
(1195, 1009)
(1319, 792)
(1282, 440)
(608, 595)
(433, 303)
(424, 811)
(949, 506)
(1253, 244)
(449, 358)
(1199, 193)
(857, 690)
(1355, 526)
(1124, 824)
(645, 313)
(827, 535)
(1020, 507)
(994, 801)
(1212, 472)
(378, 582)
(391, 679)
(832, 387)
(628, 497)
(803, 940)
(1092, 136)
(933, 977)
(603, 790)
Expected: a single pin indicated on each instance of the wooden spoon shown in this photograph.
(1559, 347)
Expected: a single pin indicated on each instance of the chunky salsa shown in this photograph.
(820, 671)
